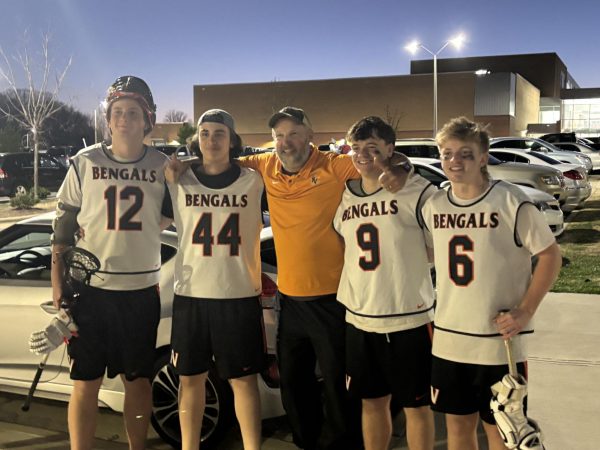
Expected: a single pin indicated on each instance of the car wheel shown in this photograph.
(218, 413)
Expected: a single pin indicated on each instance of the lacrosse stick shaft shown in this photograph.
(35, 382)
(512, 365)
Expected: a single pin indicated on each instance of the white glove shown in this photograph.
(59, 331)
(518, 431)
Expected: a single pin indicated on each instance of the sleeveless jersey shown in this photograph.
(219, 237)
(119, 211)
(482, 267)
(385, 284)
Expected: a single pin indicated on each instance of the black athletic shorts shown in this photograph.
(399, 363)
(117, 333)
(230, 331)
(462, 389)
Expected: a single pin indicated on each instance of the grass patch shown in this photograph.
(580, 247)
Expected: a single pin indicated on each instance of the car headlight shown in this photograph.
(542, 206)
(550, 179)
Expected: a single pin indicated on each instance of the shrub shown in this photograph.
(43, 193)
(25, 201)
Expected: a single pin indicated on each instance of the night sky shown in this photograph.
(174, 45)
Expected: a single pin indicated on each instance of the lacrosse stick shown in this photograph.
(517, 431)
(80, 265)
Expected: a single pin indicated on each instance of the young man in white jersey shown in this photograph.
(217, 314)
(117, 196)
(387, 292)
(484, 233)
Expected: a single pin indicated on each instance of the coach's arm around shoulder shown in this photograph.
(544, 275)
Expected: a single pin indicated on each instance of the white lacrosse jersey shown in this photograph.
(483, 265)
(385, 283)
(219, 237)
(119, 211)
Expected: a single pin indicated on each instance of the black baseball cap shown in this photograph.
(289, 112)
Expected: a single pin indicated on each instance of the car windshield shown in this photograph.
(545, 158)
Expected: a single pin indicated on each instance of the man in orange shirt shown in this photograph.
(304, 187)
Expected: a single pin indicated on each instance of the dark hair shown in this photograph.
(371, 126)
(237, 146)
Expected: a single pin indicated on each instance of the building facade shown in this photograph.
(515, 95)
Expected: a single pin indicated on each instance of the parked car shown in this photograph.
(532, 144)
(546, 179)
(572, 137)
(168, 150)
(589, 142)
(559, 137)
(576, 182)
(594, 155)
(595, 139)
(547, 204)
(25, 284)
(62, 153)
(417, 148)
(16, 173)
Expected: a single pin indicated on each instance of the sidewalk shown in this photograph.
(564, 370)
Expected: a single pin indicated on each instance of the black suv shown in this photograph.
(16, 173)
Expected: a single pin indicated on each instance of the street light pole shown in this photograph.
(413, 47)
(435, 101)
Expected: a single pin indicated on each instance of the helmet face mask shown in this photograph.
(136, 89)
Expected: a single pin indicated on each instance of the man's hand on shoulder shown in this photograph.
(395, 171)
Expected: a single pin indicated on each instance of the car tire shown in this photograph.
(218, 413)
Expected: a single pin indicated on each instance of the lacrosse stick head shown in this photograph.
(80, 265)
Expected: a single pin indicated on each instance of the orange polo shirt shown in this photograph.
(310, 254)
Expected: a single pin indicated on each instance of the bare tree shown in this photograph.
(278, 97)
(33, 104)
(393, 117)
(174, 115)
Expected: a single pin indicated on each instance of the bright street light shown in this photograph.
(414, 46)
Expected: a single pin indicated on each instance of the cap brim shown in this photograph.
(281, 115)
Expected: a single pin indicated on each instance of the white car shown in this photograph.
(576, 181)
(528, 144)
(25, 285)
(547, 204)
(593, 154)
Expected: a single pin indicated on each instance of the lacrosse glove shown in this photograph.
(518, 431)
(59, 331)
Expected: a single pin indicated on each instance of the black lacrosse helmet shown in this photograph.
(135, 88)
